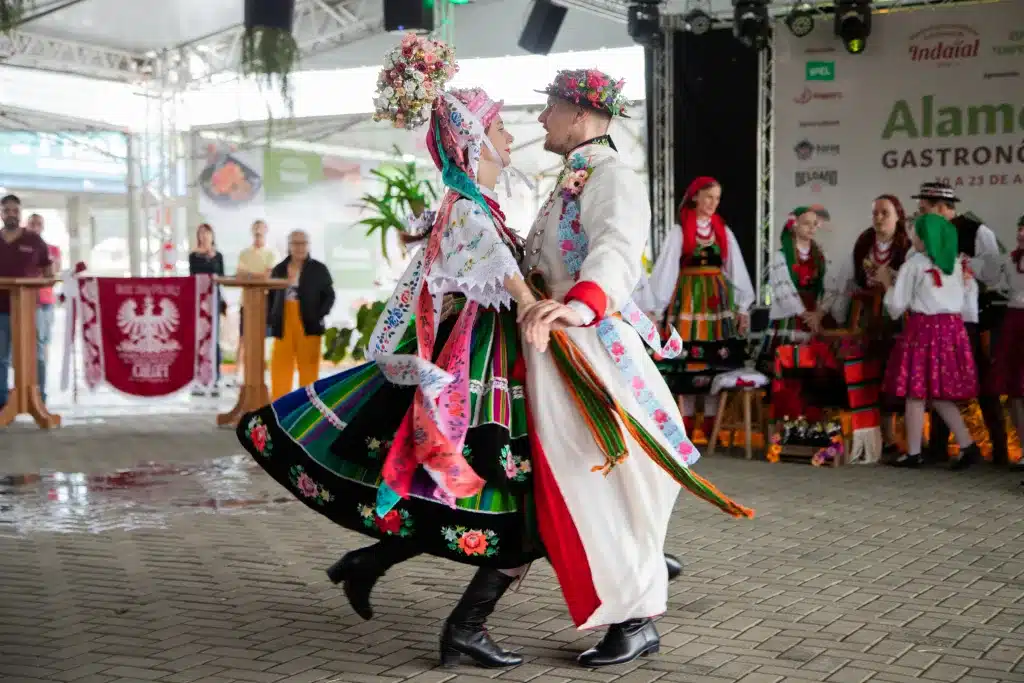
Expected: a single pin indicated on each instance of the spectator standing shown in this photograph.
(206, 260)
(23, 253)
(255, 261)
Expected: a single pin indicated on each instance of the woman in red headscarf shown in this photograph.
(701, 288)
(857, 306)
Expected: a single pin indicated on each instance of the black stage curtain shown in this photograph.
(716, 125)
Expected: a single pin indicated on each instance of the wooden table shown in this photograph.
(254, 393)
(25, 396)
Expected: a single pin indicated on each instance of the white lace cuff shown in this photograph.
(489, 292)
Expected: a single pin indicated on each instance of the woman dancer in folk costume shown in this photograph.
(700, 289)
(597, 404)
(1007, 373)
(932, 361)
(857, 305)
(797, 276)
(425, 448)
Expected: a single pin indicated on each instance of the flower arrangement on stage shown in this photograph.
(827, 435)
(414, 74)
(828, 454)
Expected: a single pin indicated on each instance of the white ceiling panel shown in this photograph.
(140, 25)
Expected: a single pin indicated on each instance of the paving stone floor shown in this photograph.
(142, 547)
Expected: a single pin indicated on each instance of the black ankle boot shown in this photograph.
(465, 632)
(623, 643)
(675, 567)
(359, 570)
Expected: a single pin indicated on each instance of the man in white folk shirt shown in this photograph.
(979, 244)
(604, 535)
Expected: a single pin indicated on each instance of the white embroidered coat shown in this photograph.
(620, 519)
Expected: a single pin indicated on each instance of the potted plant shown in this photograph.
(349, 343)
(269, 50)
(12, 13)
(404, 193)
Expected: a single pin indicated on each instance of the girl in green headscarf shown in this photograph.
(797, 278)
(932, 362)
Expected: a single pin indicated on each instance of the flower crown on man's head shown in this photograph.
(589, 88)
(414, 75)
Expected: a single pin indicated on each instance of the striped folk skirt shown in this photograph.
(327, 443)
(703, 313)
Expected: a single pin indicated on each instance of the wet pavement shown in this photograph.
(139, 545)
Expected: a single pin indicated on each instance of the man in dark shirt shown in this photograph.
(23, 253)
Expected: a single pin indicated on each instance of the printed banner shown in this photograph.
(938, 94)
(148, 336)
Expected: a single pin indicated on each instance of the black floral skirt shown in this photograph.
(327, 444)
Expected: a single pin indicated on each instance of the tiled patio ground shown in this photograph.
(197, 567)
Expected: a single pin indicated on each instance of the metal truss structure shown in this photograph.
(33, 51)
(765, 174)
(320, 25)
(662, 140)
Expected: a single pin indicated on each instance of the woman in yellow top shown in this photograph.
(254, 261)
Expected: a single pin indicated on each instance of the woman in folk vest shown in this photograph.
(858, 306)
(797, 278)
(700, 288)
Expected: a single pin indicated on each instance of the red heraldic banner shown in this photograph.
(148, 336)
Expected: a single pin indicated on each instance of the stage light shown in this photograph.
(853, 24)
(643, 22)
(697, 19)
(800, 20)
(750, 23)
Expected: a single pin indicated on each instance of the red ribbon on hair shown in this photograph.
(688, 219)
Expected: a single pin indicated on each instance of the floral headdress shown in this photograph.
(589, 88)
(413, 76)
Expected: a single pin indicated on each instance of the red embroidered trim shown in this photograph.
(591, 294)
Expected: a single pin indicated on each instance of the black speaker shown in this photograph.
(408, 15)
(542, 27)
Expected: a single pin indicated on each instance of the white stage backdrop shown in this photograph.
(937, 94)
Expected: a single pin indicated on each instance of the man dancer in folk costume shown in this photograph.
(979, 244)
(597, 403)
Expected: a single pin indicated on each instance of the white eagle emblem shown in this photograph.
(150, 331)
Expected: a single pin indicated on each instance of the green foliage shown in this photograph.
(12, 13)
(404, 193)
(338, 341)
(271, 55)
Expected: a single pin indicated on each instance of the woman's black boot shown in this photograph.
(465, 632)
(359, 570)
(623, 643)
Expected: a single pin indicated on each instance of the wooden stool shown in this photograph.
(752, 406)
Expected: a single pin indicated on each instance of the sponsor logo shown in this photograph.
(1014, 48)
(817, 178)
(1002, 74)
(818, 124)
(821, 71)
(944, 44)
(809, 95)
(819, 50)
(805, 150)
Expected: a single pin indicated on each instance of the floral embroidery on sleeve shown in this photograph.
(471, 541)
(397, 522)
(307, 487)
(259, 436)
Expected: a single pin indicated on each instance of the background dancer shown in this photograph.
(932, 362)
(700, 288)
(976, 241)
(857, 306)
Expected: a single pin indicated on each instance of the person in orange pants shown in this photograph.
(296, 316)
